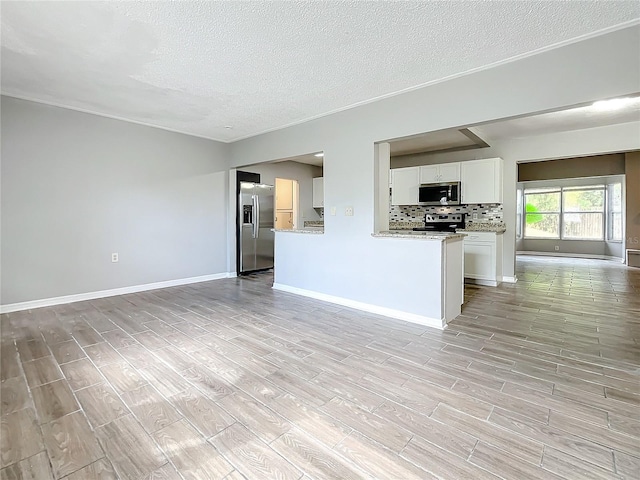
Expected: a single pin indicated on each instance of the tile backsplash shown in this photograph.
(416, 213)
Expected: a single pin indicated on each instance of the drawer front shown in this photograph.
(480, 237)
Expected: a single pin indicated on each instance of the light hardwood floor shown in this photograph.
(230, 379)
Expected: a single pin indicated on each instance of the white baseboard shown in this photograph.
(570, 255)
(481, 281)
(79, 297)
(510, 279)
(366, 307)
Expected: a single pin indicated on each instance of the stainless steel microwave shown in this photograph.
(439, 194)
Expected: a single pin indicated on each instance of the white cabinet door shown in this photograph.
(449, 172)
(318, 192)
(446, 172)
(478, 260)
(429, 174)
(481, 181)
(483, 257)
(406, 182)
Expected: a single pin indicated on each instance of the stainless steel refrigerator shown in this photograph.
(255, 224)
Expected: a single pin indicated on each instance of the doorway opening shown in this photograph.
(286, 211)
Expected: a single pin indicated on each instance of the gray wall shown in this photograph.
(595, 166)
(77, 187)
(303, 173)
(632, 172)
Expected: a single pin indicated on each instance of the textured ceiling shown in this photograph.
(580, 118)
(309, 159)
(448, 139)
(197, 67)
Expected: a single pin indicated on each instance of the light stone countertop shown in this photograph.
(484, 227)
(312, 231)
(418, 235)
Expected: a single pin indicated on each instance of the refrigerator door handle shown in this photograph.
(254, 214)
(257, 217)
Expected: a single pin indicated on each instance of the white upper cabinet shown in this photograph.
(405, 184)
(429, 173)
(481, 181)
(318, 192)
(446, 172)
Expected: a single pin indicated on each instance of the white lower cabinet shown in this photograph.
(483, 258)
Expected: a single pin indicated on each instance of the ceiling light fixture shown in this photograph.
(319, 154)
(613, 104)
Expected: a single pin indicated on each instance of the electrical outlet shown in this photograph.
(333, 211)
(556, 248)
(114, 257)
(348, 212)
(475, 216)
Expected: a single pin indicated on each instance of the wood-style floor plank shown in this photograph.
(100, 469)
(9, 363)
(14, 395)
(194, 458)
(131, 451)
(33, 468)
(67, 351)
(41, 371)
(316, 459)
(71, 444)
(203, 413)
(20, 437)
(81, 374)
(101, 405)
(151, 409)
(53, 400)
(231, 379)
(251, 457)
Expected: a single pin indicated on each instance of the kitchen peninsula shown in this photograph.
(416, 277)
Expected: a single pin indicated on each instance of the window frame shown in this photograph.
(541, 190)
(605, 213)
(610, 211)
(602, 213)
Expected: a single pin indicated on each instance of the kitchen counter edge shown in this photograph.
(484, 230)
(420, 236)
(314, 231)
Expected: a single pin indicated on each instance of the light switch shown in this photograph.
(333, 211)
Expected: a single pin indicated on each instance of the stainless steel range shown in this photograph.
(442, 223)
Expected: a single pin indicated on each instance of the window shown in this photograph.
(542, 213)
(583, 213)
(573, 213)
(614, 205)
